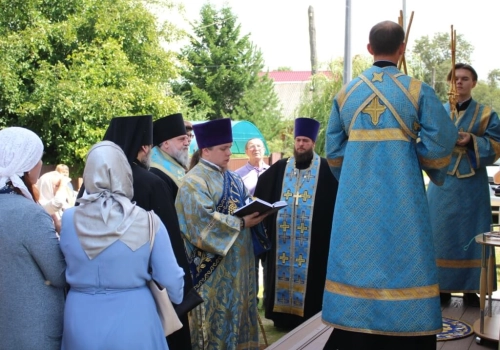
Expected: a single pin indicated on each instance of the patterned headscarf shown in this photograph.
(20, 151)
(106, 213)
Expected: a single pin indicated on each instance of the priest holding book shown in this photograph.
(300, 232)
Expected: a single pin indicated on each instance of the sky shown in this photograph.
(280, 28)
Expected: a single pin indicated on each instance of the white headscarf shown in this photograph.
(107, 214)
(20, 151)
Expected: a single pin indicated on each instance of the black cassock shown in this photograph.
(172, 186)
(269, 188)
(151, 193)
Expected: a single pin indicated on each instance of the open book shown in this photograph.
(258, 205)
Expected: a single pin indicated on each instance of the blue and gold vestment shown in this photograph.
(295, 267)
(384, 129)
(228, 317)
(460, 209)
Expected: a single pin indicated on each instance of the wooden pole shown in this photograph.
(312, 41)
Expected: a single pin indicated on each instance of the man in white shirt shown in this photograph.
(251, 171)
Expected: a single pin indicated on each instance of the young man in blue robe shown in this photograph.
(385, 128)
(219, 245)
(461, 209)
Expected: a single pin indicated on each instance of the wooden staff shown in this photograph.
(452, 93)
(402, 60)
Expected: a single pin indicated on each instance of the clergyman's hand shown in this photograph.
(463, 138)
(253, 219)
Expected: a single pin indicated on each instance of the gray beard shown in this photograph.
(182, 157)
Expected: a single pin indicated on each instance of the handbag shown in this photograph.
(191, 300)
(168, 317)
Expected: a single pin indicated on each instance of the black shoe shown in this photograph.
(445, 297)
(471, 299)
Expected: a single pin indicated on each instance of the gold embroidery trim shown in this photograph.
(483, 121)
(435, 163)
(289, 310)
(371, 331)
(390, 106)
(337, 162)
(286, 285)
(346, 96)
(383, 294)
(474, 118)
(496, 148)
(358, 111)
(390, 134)
(458, 264)
(414, 90)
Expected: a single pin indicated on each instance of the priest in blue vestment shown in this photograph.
(385, 128)
(461, 208)
(219, 245)
(295, 267)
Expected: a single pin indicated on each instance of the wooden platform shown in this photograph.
(313, 334)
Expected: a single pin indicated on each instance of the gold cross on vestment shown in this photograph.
(284, 226)
(283, 258)
(374, 109)
(300, 260)
(305, 196)
(287, 194)
(302, 228)
(377, 76)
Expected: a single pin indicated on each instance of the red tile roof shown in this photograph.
(292, 76)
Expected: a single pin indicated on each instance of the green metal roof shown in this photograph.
(242, 132)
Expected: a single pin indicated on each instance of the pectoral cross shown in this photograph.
(297, 196)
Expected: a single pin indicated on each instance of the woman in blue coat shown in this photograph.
(106, 243)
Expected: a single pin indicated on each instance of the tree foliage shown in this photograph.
(68, 66)
(431, 60)
(221, 77)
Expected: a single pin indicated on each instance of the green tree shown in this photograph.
(487, 94)
(431, 60)
(68, 66)
(493, 78)
(222, 77)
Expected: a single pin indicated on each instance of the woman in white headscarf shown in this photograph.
(106, 243)
(32, 266)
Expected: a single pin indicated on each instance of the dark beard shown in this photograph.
(146, 160)
(305, 157)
